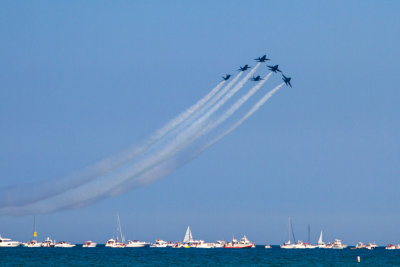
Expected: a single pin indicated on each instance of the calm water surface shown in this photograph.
(102, 256)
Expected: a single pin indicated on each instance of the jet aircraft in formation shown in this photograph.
(286, 80)
(257, 78)
(274, 68)
(227, 76)
(244, 68)
(262, 59)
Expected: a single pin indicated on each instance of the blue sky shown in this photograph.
(83, 80)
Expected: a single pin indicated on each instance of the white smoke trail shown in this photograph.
(89, 193)
(212, 101)
(245, 117)
(20, 195)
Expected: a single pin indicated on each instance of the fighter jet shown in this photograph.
(262, 59)
(274, 68)
(244, 68)
(226, 77)
(256, 79)
(286, 80)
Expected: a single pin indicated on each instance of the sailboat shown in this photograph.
(114, 243)
(33, 243)
(188, 239)
(289, 245)
(321, 244)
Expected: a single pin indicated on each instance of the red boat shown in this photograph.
(243, 243)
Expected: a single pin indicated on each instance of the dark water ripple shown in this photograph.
(102, 256)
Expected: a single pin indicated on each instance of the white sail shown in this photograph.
(320, 242)
(188, 236)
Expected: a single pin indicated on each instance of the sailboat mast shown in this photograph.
(309, 238)
(294, 238)
(289, 229)
(34, 227)
(120, 229)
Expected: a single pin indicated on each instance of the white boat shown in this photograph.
(309, 246)
(243, 243)
(267, 246)
(114, 243)
(202, 244)
(288, 244)
(177, 245)
(371, 246)
(159, 244)
(188, 240)
(299, 245)
(136, 244)
(337, 244)
(89, 244)
(48, 243)
(7, 242)
(64, 244)
(321, 244)
(32, 244)
(220, 244)
(390, 246)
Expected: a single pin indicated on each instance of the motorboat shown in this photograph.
(64, 244)
(309, 246)
(7, 242)
(390, 246)
(110, 242)
(337, 244)
(220, 244)
(89, 244)
(159, 244)
(202, 244)
(267, 246)
(113, 243)
(243, 243)
(177, 245)
(371, 246)
(136, 244)
(48, 243)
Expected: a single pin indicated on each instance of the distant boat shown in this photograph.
(288, 244)
(48, 243)
(337, 244)
(89, 244)
(243, 243)
(7, 242)
(33, 243)
(159, 244)
(64, 244)
(136, 244)
(188, 239)
(321, 244)
(114, 243)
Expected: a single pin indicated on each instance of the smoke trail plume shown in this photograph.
(144, 170)
(23, 194)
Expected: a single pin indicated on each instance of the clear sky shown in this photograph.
(83, 80)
